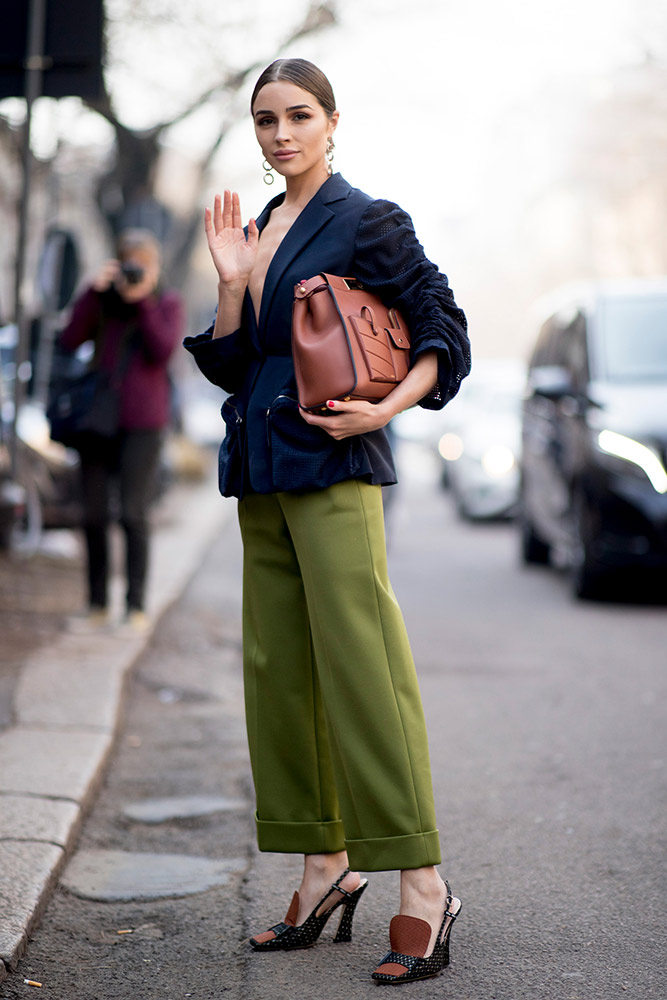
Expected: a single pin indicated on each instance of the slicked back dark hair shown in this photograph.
(305, 75)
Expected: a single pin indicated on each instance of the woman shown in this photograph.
(135, 328)
(335, 723)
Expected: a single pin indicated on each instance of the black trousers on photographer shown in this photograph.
(119, 479)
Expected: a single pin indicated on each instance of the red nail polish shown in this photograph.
(331, 403)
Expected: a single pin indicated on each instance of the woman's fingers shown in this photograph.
(224, 225)
(208, 224)
(217, 214)
(253, 234)
(236, 211)
(347, 418)
(227, 213)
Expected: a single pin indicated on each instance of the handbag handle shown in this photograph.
(370, 317)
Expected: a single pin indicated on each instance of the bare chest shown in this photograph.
(272, 236)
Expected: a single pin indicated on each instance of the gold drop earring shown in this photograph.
(330, 154)
(268, 172)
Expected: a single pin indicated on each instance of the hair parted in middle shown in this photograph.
(302, 73)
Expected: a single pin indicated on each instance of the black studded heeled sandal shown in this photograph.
(409, 938)
(286, 936)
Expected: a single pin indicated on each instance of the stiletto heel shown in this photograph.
(286, 936)
(409, 938)
(344, 932)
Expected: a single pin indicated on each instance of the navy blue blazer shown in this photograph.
(268, 446)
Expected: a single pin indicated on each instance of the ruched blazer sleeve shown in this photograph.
(390, 260)
(268, 446)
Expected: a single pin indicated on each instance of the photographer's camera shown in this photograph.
(132, 272)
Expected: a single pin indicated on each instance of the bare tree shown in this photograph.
(619, 171)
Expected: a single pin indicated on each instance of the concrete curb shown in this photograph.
(66, 712)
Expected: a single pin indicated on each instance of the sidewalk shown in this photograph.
(66, 707)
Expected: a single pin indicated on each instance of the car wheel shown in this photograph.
(534, 551)
(586, 575)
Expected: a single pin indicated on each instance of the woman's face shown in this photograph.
(292, 128)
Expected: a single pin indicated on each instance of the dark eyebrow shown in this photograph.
(295, 107)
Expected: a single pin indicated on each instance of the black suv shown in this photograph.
(594, 452)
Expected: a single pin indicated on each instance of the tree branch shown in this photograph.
(318, 15)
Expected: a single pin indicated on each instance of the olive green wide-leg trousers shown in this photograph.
(335, 721)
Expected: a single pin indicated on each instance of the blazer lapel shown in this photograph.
(313, 218)
(251, 319)
(263, 217)
(248, 305)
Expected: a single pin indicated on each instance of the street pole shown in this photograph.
(35, 64)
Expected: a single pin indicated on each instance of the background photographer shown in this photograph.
(135, 326)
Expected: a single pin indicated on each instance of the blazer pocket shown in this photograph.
(230, 454)
(305, 457)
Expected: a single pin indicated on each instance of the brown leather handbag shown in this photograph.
(346, 343)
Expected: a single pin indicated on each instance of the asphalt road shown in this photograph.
(546, 720)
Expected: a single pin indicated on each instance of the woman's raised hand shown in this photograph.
(233, 254)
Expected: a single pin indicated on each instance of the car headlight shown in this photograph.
(498, 461)
(640, 455)
(450, 447)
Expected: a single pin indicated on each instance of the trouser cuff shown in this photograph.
(418, 850)
(300, 838)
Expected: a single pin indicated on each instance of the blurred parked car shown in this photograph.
(481, 442)
(593, 474)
